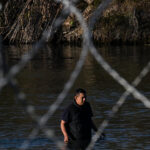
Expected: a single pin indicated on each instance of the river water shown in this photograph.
(43, 79)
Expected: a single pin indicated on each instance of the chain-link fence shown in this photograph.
(7, 77)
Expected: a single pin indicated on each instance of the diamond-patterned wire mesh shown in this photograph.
(7, 77)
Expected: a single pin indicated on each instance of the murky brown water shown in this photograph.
(43, 79)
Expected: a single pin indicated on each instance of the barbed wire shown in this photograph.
(116, 107)
(9, 76)
(86, 40)
(71, 8)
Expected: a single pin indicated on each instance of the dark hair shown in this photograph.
(79, 90)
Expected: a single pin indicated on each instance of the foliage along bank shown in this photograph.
(124, 21)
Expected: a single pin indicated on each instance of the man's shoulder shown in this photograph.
(87, 104)
(69, 107)
(88, 108)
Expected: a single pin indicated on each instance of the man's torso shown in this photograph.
(79, 121)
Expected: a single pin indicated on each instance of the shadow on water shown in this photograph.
(43, 78)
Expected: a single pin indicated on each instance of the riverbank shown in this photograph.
(124, 21)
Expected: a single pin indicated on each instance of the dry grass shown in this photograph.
(29, 19)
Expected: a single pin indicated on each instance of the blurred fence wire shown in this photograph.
(7, 77)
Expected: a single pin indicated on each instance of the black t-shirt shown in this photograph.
(78, 121)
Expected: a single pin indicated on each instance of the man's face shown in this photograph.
(80, 99)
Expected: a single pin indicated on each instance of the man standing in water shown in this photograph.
(76, 122)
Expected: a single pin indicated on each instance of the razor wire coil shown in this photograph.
(8, 78)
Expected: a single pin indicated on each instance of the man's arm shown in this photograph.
(93, 126)
(95, 129)
(63, 129)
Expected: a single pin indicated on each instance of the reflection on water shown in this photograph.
(43, 79)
